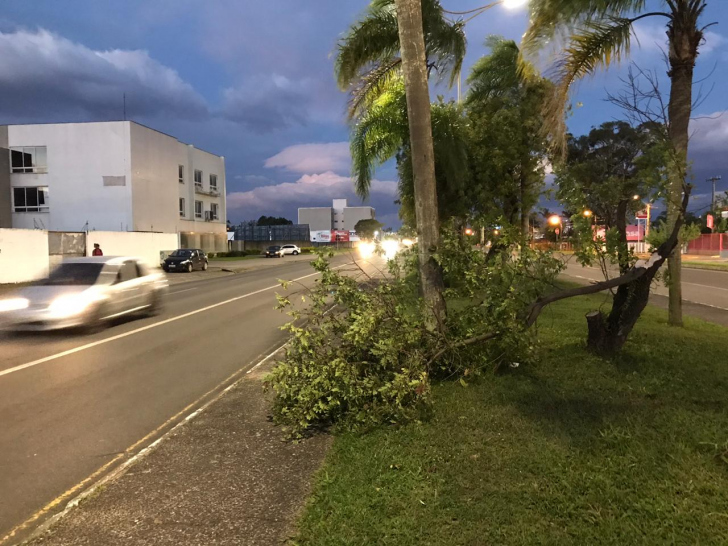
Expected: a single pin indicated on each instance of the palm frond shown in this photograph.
(371, 86)
(373, 39)
(378, 135)
(553, 18)
(596, 44)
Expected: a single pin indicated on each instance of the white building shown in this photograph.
(339, 216)
(111, 176)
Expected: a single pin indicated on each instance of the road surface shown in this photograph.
(701, 287)
(71, 404)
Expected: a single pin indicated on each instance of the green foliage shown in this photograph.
(368, 53)
(366, 228)
(361, 354)
(273, 221)
(660, 232)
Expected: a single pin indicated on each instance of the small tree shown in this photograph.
(365, 229)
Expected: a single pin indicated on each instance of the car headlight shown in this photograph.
(69, 306)
(13, 304)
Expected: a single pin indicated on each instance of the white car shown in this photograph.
(290, 249)
(85, 292)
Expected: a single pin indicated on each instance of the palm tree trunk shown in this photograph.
(683, 53)
(414, 68)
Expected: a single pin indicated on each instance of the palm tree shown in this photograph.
(368, 54)
(599, 32)
(382, 133)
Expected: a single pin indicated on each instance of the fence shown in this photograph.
(277, 234)
(709, 244)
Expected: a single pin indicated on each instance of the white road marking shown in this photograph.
(706, 286)
(180, 291)
(145, 328)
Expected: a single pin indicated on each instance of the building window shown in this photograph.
(213, 211)
(29, 159)
(30, 199)
(198, 209)
(198, 179)
(182, 207)
(213, 182)
(181, 174)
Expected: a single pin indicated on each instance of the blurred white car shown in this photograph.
(291, 249)
(85, 292)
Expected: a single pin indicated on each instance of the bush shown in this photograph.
(308, 250)
(253, 252)
(369, 359)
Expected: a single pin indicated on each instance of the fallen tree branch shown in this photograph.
(465, 343)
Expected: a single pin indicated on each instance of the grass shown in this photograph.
(572, 450)
(715, 266)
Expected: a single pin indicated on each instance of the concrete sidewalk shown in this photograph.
(223, 477)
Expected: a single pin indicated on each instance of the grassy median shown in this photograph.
(572, 450)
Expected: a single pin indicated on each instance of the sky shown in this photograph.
(253, 81)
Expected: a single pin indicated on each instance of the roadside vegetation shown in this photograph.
(573, 449)
(472, 400)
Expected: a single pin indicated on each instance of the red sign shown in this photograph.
(340, 236)
(709, 221)
(642, 215)
(635, 233)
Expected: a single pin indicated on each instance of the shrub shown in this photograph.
(308, 250)
(364, 355)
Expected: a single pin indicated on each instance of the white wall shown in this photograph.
(79, 156)
(23, 255)
(146, 246)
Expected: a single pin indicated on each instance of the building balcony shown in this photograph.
(212, 192)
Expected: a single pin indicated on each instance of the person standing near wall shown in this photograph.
(97, 250)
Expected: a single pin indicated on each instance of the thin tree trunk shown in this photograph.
(684, 38)
(525, 211)
(622, 249)
(414, 68)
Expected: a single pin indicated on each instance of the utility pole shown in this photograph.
(713, 179)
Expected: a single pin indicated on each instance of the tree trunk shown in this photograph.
(684, 40)
(414, 68)
(525, 211)
(622, 249)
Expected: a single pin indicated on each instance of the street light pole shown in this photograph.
(713, 179)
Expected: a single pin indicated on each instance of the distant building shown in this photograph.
(111, 176)
(338, 217)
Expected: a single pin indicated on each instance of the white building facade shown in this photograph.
(112, 176)
(339, 217)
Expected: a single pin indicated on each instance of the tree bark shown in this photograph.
(621, 224)
(414, 68)
(684, 39)
(525, 211)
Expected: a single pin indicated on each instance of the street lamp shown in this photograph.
(587, 213)
(714, 179)
(555, 220)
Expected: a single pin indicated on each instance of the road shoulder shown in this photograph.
(224, 477)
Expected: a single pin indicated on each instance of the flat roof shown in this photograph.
(111, 121)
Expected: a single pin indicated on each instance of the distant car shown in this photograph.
(85, 292)
(274, 252)
(186, 259)
(291, 249)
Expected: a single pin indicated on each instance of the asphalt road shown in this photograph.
(700, 286)
(71, 404)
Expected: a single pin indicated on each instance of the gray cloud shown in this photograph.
(46, 77)
(313, 158)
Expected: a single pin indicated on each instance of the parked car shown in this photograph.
(186, 259)
(274, 252)
(291, 249)
(85, 292)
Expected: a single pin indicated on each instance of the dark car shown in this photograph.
(186, 259)
(274, 252)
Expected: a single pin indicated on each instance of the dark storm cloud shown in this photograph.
(45, 77)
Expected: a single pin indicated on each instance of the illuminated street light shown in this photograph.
(587, 213)
(555, 220)
(469, 231)
(636, 197)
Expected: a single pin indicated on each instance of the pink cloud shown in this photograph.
(313, 158)
(309, 190)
